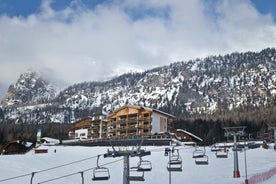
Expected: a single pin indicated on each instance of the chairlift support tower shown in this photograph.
(235, 131)
(273, 126)
(126, 153)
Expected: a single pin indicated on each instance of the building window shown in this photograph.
(163, 124)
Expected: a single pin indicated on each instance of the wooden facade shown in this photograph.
(137, 121)
(38, 151)
(89, 127)
(126, 121)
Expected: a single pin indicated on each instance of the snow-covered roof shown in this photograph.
(51, 140)
(192, 135)
(146, 108)
(161, 112)
(82, 119)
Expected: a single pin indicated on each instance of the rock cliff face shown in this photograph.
(201, 86)
(30, 88)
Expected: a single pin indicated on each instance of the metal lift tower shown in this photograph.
(235, 131)
(126, 153)
(273, 126)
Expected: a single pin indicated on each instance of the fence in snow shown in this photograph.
(261, 177)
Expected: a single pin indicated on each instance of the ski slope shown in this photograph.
(64, 165)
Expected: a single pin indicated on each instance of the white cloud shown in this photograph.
(80, 44)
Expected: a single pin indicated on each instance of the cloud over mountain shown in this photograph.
(79, 43)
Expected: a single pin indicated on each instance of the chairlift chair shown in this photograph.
(215, 149)
(135, 174)
(202, 160)
(199, 153)
(175, 154)
(144, 165)
(174, 167)
(175, 164)
(175, 158)
(100, 173)
(222, 154)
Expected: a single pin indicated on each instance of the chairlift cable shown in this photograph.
(7, 179)
(20, 176)
(57, 178)
(67, 164)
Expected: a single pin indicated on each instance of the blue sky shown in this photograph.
(27, 7)
(266, 7)
(88, 40)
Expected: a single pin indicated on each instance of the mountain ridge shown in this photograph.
(201, 86)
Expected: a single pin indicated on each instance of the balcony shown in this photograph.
(111, 131)
(133, 127)
(132, 117)
(132, 134)
(132, 131)
(122, 118)
(147, 127)
(122, 132)
(96, 122)
(122, 122)
(133, 121)
(122, 127)
(112, 122)
(95, 128)
(95, 135)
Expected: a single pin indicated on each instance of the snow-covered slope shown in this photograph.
(68, 161)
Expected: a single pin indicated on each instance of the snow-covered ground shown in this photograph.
(70, 160)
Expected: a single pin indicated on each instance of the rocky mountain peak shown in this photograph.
(30, 88)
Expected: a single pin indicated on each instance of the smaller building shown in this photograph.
(182, 136)
(89, 128)
(49, 141)
(185, 136)
(17, 147)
